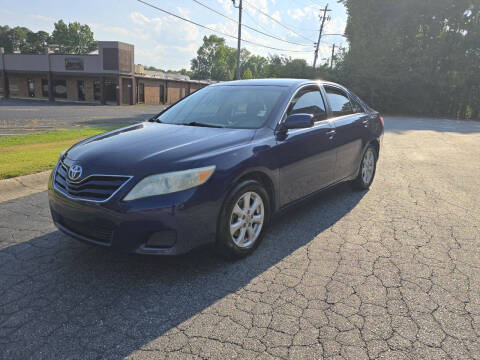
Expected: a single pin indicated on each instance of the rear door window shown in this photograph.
(339, 102)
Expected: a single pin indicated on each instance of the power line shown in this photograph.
(254, 21)
(299, 3)
(278, 22)
(261, 27)
(217, 31)
(248, 27)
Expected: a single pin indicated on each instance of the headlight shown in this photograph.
(161, 184)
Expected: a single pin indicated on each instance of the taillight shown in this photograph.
(381, 120)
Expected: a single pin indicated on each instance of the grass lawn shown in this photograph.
(28, 154)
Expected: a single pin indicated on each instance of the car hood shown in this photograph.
(150, 147)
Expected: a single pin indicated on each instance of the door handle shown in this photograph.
(331, 134)
(365, 122)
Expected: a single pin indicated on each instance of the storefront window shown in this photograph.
(31, 88)
(44, 87)
(60, 88)
(96, 90)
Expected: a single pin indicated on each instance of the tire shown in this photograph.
(239, 229)
(368, 168)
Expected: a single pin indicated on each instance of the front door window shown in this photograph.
(308, 101)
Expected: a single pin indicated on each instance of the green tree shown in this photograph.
(247, 74)
(418, 57)
(5, 40)
(73, 38)
(36, 42)
(14, 39)
(215, 60)
(257, 65)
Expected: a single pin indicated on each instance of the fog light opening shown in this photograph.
(162, 239)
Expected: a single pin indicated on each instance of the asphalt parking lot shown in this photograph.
(19, 116)
(393, 273)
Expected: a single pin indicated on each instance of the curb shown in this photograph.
(21, 186)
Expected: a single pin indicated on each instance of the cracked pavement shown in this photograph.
(393, 273)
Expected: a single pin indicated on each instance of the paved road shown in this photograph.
(25, 116)
(393, 273)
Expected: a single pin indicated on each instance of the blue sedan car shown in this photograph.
(215, 166)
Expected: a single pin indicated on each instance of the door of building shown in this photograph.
(81, 90)
(162, 94)
(127, 91)
(141, 93)
(110, 91)
(44, 87)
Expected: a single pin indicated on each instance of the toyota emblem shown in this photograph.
(75, 172)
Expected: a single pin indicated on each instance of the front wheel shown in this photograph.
(243, 220)
(368, 167)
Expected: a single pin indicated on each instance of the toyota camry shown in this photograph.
(215, 166)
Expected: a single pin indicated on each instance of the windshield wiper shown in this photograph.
(194, 123)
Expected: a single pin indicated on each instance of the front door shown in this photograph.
(306, 156)
(81, 90)
(141, 93)
(348, 137)
(162, 94)
(127, 91)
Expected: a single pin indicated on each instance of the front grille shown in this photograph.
(98, 230)
(92, 188)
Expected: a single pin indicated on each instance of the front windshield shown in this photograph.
(243, 107)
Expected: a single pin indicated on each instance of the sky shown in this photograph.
(166, 42)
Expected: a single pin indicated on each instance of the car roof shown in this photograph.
(269, 82)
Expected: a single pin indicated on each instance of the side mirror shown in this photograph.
(298, 121)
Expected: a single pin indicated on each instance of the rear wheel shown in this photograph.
(368, 167)
(243, 219)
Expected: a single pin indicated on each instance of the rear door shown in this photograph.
(349, 134)
(306, 156)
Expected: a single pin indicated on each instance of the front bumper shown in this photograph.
(176, 222)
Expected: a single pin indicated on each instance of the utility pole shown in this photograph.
(239, 43)
(333, 56)
(323, 19)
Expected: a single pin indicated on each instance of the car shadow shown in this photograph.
(65, 298)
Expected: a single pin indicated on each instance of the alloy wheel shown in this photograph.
(368, 166)
(247, 219)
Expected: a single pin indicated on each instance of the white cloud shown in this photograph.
(297, 14)
(116, 30)
(227, 6)
(276, 16)
(139, 19)
(42, 18)
(336, 26)
(172, 42)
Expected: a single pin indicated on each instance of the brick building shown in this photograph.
(107, 76)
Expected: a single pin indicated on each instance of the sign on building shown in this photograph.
(74, 64)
